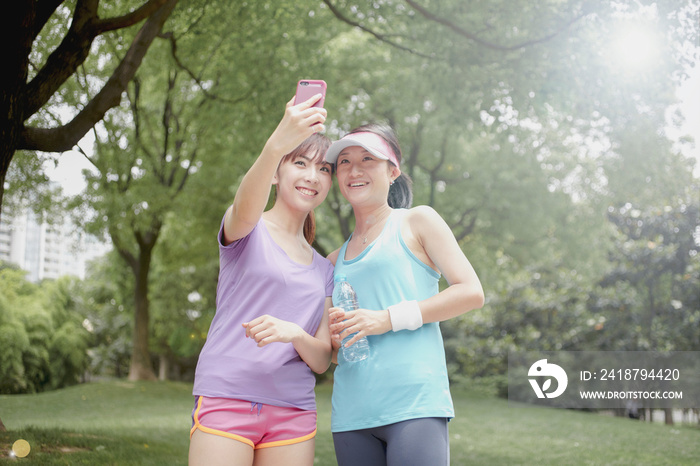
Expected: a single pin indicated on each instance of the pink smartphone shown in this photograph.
(307, 88)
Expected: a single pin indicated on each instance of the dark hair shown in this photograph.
(318, 144)
(401, 190)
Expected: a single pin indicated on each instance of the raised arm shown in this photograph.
(298, 123)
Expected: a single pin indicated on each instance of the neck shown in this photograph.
(367, 221)
(291, 222)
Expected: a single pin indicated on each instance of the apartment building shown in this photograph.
(47, 250)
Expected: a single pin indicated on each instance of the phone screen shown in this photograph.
(307, 88)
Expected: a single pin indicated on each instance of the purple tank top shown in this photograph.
(257, 277)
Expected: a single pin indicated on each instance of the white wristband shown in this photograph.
(405, 316)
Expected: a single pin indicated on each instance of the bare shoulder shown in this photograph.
(422, 212)
(424, 218)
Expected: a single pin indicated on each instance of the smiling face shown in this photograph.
(303, 181)
(364, 178)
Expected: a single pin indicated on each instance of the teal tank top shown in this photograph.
(405, 376)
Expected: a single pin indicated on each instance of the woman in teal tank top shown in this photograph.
(393, 407)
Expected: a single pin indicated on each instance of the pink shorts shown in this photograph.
(255, 424)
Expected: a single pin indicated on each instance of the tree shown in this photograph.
(143, 164)
(34, 74)
(149, 149)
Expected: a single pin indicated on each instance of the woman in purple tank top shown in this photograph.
(254, 399)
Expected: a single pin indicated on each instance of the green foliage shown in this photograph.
(541, 309)
(517, 125)
(14, 342)
(184, 292)
(657, 260)
(29, 187)
(44, 344)
(38, 355)
(68, 350)
(106, 305)
(13, 336)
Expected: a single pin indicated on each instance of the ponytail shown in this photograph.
(401, 192)
(310, 228)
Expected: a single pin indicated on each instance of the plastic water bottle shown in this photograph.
(344, 297)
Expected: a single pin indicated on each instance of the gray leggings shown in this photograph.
(419, 442)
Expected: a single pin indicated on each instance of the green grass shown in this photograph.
(147, 423)
(112, 423)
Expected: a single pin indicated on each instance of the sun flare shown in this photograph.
(635, 47)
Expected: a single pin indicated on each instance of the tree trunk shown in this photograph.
(668, 416)
(141, 366)
(2, 427)
(163, 367)
(15, 61)
(6, 154)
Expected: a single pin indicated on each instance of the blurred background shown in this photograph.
(558, 139)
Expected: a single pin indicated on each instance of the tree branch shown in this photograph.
(191, 160)
(44, 10)
(464, 33)
(75, 47)
(136, 16)
(123, 251)
(64, 137)
(66, 59)
(170, 37)
(382, 37)
(468, 229)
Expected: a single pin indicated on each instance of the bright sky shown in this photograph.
(69, 171)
